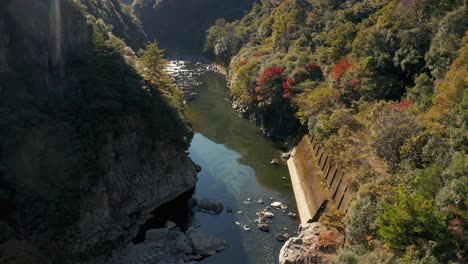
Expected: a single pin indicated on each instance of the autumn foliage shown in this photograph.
(268, 74)
(268, 81)
(287, 87)
(401, 106)
(340, 69)
(243, 62)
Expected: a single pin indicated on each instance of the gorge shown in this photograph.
(163, 131)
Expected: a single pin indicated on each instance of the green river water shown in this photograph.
(235, 159)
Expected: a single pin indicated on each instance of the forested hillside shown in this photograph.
(383, 85)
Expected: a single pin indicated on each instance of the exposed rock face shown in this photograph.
(93, 190)
(164, 246)
(206, 245)
(315, 244)
(43, 34)
(141, 175)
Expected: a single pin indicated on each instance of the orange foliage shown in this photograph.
(449, 91)
(401, 106)
(340, 68)
(258, 54)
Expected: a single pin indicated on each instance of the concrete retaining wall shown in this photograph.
(317, 180)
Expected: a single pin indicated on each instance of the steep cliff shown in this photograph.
(88, 148)
(120, 19)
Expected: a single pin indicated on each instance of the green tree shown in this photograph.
(152, 59)
(421, 94)
(411, 219)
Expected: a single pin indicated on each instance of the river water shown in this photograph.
(235, 159)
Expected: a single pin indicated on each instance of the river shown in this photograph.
(235, 159)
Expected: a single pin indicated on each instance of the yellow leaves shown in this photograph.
(317, 100)
(449, 91)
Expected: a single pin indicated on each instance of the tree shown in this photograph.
(391, 130)
(411, 219)
(421, 94)
(152, 59)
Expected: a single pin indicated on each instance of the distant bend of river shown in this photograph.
(235, 159)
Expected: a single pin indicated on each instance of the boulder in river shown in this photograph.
(210, 206)
(268, 214)
(276, 204)
(264, 227)
(274, 161)
(282, 237)
(293, 215)
(206, 245)
(286, 156)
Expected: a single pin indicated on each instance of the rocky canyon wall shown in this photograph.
(79, 170)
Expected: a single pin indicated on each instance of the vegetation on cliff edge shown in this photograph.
(382, 85)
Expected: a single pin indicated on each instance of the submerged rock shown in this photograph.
(210, 206)
(282, 237)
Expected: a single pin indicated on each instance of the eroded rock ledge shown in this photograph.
(315, 243)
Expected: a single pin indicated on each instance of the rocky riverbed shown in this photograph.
(170, 245)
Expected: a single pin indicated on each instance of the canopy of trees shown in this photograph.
(383, 84)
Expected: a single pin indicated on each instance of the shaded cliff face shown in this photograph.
(182, 24)
(86, 154)
(121, 19)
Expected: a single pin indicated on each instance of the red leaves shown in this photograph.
(403, 105)
(243, 62)
(312, 66)
(340, 68)
(268, 73)
(271, 82)
(287, 87)
(258, 54)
